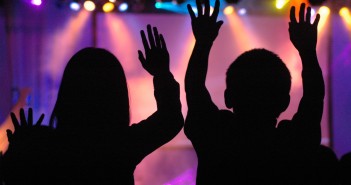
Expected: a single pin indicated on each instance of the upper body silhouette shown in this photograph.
(345, 169)
(246, 146)
(94, 141)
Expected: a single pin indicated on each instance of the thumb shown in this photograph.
(219, 24)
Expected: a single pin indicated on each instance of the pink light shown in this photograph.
(36, 2)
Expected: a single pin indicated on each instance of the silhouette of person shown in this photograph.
(246, 146)
(345, 169)
(94, 141)
(91, 115)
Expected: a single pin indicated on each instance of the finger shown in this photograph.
(292, 15)
(191, 12)
(219, 24)
(150, 36)
(23, 118)
(215, 11)
(141, 58)
(207, 8)
(14, 121)
(30, 117)
(316, 21)
(199, 8)
(302, 13)
(308, 15)
(143, 38)
(9, 135)
(40, 120)
(164, 46)
(157, 38)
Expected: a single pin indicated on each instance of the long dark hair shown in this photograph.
(93, 92)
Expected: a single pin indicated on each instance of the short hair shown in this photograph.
(258, 78)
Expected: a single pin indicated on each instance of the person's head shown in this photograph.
(258, 82)
(93, 92)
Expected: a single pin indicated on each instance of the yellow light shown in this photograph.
(89, 5)
(228, 10)
(344, 12)
(279, 4)
(324, 11)
(108, 7)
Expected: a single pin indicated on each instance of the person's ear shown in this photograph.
(228, 99)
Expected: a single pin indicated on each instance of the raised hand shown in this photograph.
(25, 126)
(303, 34)
(205, 26)
(156, 59)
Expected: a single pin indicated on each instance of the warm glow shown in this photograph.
(228, 10)
(324, 11)
(346, 16)
(344, 11)
(108, 7)
(89, 5)
(279, 4)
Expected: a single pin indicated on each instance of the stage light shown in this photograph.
(112, 1)
(324, 11)
(344, 12)
(36, 2)
(242, 11)
(316, 2)
(123, 7)
(279, 4)
(74, 6)
(89, 6)
(158, 5)
(228, 10)
(108, 7)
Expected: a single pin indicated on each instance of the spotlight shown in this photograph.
(36, 2)
(112, 1)
(344, 12)
(228, 10)
(123, 7)
(89, 6)
(74, 6)
(316, 2)
(324, 11)
(279, 4)
(158, 5)
(242, 11)
(108, 7)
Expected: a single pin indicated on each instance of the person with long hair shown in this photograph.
(94, 140)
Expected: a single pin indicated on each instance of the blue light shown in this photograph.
(158, 5)
(74, 6)
(123, 7)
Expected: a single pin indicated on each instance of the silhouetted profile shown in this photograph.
(246, 146)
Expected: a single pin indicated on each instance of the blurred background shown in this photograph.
(38, 37)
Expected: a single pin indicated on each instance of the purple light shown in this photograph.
(36, 2)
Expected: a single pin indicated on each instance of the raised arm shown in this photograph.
(205, 29)
(167, 121)
(303, 35)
